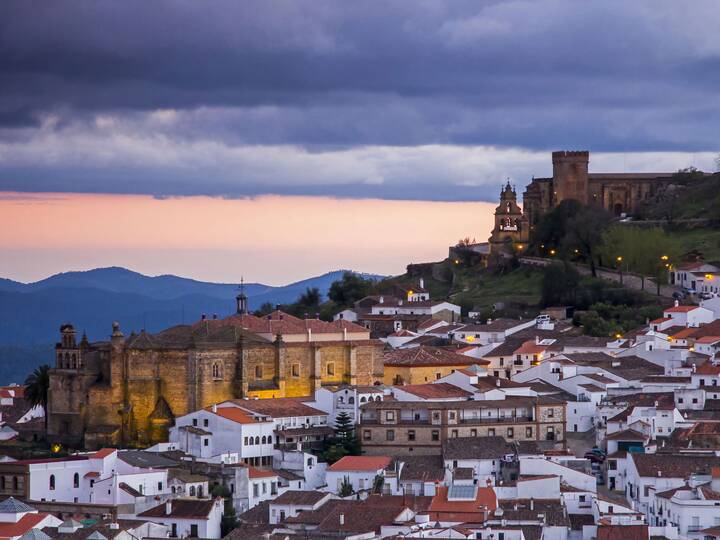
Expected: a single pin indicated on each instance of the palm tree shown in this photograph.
(37, 386)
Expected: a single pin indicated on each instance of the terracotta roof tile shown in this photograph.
(361, 463)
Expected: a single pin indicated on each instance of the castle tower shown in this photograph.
(570, 176)
(241, 299)
(511, 231)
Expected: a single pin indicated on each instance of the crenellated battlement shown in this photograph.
(575, 155)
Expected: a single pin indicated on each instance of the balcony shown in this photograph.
(500, 420)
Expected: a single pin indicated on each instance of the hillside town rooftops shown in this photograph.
(491, 447)
(278, 407)
(181, 509)
(673, 465)
(361, 463)
(435, 391)
(427, 356)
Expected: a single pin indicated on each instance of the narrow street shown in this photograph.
(629, 280)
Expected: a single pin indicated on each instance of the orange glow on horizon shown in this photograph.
(270, 239)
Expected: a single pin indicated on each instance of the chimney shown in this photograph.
(537, 340)
(497, 382)
(344, 334)
(677, 303)
(659, 473)
(214, 316)
(114, 525)
(168, 508)
(342, 519)
(532, 503)
(422, 283)
(381, 300)
(203, 317)
(214, 407)
(309, 334)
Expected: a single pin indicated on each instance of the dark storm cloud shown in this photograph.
(336, 76)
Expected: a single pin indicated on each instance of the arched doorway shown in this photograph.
(617, 209)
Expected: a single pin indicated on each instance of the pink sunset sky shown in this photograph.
(269, 239)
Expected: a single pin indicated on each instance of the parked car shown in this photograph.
(707, 295)
(679, 295)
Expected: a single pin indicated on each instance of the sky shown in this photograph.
(391, 101)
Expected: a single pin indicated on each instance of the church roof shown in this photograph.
(12, 506)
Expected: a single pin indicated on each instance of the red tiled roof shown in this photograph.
(623, 532)
(182, 509)
(708, 339)
(428, 356)
(530, 347)
(361, 463)
(435, 391)
(473, 511)
(26, 523)
(233, 413)
(279, 407)
(680, 309)
(254, 472)
(661, 320)
(103, 453)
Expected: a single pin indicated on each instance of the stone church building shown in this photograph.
(128, 390)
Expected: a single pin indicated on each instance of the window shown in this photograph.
(473, 432)
(331, 368)
(159, 486)
(194, 530)
(295, 370)
(390, 435)
(195, 422)
(451, 415)
(173, 531)
(76, 480)
(510, 433)
(52, 481)
(454, 434)
(491, 432)
(390, 416)
(206, 422)
(411, 435)
(438, 375)
(367, 435)
(257, 439)
(206, 442)
(256, 490)
(351, 400)
(258, 372)
(246, 441)
(435, 435)
(551, 413)
(216, 371)
(528, 432)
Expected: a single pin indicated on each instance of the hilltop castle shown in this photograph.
(618, 193)
(129, 390)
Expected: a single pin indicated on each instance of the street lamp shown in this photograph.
(619, 261)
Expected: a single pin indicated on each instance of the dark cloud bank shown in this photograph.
(434, 100)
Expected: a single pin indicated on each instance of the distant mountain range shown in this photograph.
(31, 313)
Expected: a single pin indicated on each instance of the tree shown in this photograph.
(229, 520)
(351, 288)
(37, 386)
(265, 309)
(345, 431)
(346, 488)
(559, 284)
(585, 234)
(551, 229)
(310, 298)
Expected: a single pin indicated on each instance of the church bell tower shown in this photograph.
(241, 299)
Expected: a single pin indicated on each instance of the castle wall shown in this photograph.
(570, 176)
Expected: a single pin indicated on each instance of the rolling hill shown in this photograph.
(31, 313)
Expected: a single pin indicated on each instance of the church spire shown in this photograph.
(241, 299)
